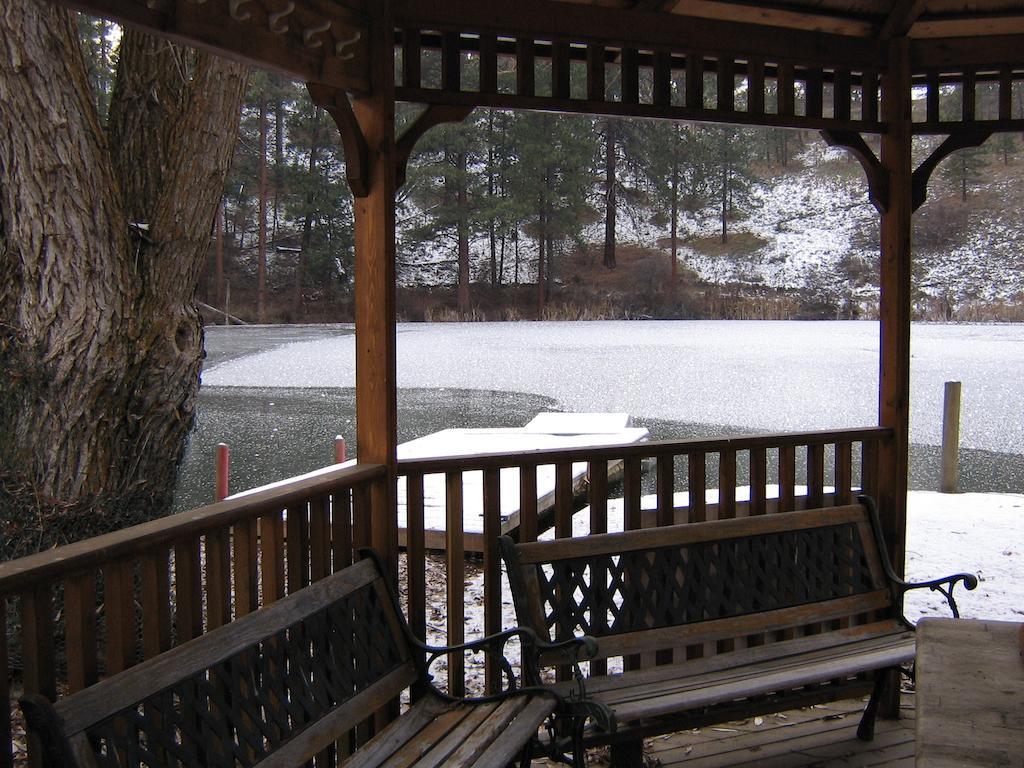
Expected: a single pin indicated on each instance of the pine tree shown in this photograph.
(318, 203)
(446, 185)
(963, 168)
(555, 174)
(676, 174)
(731, 180)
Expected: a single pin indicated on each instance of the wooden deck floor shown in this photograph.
(820, 737)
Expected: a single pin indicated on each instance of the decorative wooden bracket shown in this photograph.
(953, 142)
(878, 179)
(335, 102)
(434, 115)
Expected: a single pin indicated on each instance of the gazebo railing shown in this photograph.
(93, 608)
(662, 483)
(89, 609)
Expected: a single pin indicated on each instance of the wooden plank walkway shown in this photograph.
(822, 736)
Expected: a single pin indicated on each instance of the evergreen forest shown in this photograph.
(512, 215)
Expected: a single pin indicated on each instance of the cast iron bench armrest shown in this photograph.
(944, 585)
(575, 650)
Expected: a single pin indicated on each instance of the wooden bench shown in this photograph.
(722, 620)
(294, 680)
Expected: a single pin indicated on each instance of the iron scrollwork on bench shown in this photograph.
(944, 585)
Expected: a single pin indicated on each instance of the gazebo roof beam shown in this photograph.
(901, 18)
(315, 41)
(638, 29)
(973, 26)
(954, 54)
(818, 20)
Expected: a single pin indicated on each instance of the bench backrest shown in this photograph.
(673, 586)
(288, 680)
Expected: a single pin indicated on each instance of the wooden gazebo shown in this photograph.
(852, 69)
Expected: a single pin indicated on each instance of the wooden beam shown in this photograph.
(335, 102)
(784, 119)
(955, 53)
(975, 26)
(951, 127)
(894, 301)
(817, 21)
(953, 142)
(878, 179)
(316, 41)
(432, 116)
(584, 24)
(376, 383)
(901, 18)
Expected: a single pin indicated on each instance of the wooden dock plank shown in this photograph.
(823, 736)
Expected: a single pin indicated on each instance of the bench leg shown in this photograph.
(627, 754)
(889, 708)
(886, 681)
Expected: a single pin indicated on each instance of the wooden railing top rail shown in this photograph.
(34, 570)
(651, 448)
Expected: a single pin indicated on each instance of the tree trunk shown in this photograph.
(261, 224)
(541, 242)
(278, 161)
(724, 202)
(610, 207)
(491, 190)
(462, 202)
(101, 251)
(218, 227)
(674, 233)
(307, 223)
(515, 239)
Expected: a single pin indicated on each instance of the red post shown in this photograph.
(339, 449)
(222, 472)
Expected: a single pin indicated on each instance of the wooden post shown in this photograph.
(339, 450)
(222, 472)
(950, 438)
(894, 302)
(894, 319)
(376, 398)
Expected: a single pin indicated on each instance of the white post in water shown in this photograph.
(950, 438)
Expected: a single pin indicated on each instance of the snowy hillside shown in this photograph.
(809, 228)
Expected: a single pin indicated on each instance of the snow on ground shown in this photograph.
(809, 220)
(979, 533)
(764, 376)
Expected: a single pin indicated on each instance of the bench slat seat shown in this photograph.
(299, 678)
(718, 620)
(662, 691)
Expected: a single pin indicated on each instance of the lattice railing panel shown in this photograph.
(298, 676)
(679, 585)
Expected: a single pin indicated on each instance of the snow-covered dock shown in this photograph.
(545, 431)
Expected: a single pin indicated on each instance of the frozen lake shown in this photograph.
(774, 376)
(269, 390)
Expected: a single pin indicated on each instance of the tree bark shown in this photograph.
(462, 201)
(674, 233)
(102, 242)
(307, 222)
(610, 205)
(261, 224)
